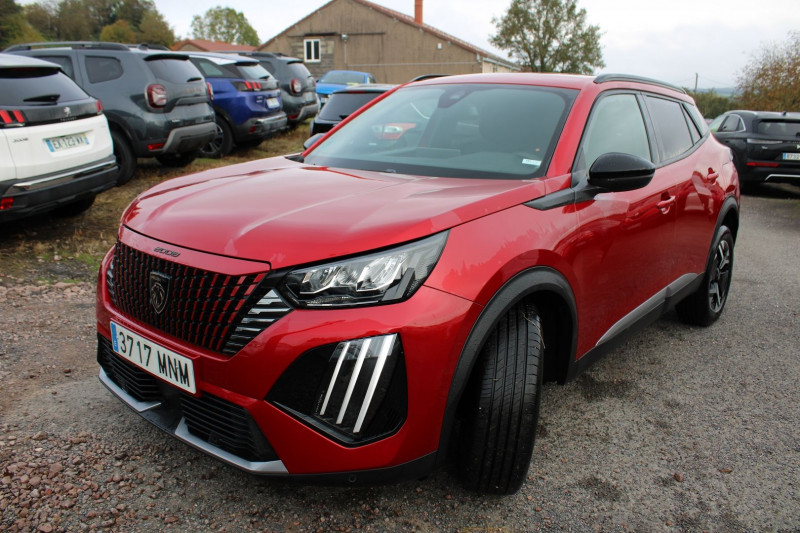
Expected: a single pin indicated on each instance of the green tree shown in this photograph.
(771, 80)
(119, 32)
(710, 103)
(14, 27)
(226, 25)
(153, 29)
(43, 16)
(73, 21)
(549, 36)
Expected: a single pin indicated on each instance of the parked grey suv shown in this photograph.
(156, 102)
(298, 88)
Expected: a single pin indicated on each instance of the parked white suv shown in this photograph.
(55, 145)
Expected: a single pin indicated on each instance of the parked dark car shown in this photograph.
(339, 79)
(55, 147)
(402, 289)
(342, 103)
(765, 145)
(156, 102)
(246, 98)
(298, 88)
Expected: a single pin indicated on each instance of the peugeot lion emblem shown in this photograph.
(67, 111)
(159, 291)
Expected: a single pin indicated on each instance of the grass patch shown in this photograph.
(52, 249)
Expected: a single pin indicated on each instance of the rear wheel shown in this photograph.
(222, 144)
(501, 407)
(126, 160)
(705, 305)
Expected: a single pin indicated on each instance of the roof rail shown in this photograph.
(148, 46)
(93, 45)
(605, 78)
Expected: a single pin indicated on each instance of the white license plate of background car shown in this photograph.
(56, 144)
(792, 157)
(166, 364)
(272, 102)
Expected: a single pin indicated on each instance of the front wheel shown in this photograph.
(705, 305)
(501, 407)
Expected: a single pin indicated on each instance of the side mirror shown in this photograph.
(311, 140)
(619, 172)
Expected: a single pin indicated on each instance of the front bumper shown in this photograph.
(432, 327)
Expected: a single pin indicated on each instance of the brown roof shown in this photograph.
(213, 46)
(407, 19)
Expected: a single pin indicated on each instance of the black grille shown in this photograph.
(216, 311)
(130, 378)
(227, 426)
(214, 420)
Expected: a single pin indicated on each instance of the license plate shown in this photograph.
(792, 157)
(273, 102)
(166, 364)
(56, 144)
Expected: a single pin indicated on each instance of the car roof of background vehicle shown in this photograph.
(366, 88)
(792, 115)
(18, 61)
(150, 51)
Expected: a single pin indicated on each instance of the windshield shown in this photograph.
(469, 131)
(342, 78)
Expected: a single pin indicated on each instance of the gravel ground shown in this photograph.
(680, 429)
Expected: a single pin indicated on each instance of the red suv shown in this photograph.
(402, 288)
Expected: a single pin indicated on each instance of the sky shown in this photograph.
(677, 41)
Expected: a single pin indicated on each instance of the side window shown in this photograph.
(616, 125)
(311, 47)
(208, 68)
(693, 131)
(100, 69)
(64, 62)
(732, 123)
(670, 124)
(716, 123)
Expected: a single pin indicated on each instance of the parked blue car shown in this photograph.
(246, 100)
(339, 79)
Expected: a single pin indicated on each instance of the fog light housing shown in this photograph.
(353, 391)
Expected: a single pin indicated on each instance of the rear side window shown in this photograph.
(174, 70)
(100, 69)
(731, 124)
(671, 126)
(64, 62)
(778, 128)
(616, 125)
(340, 106)
(37, 86)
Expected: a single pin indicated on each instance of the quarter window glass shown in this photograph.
(616, 125)
(311, 47)
(208, 68)
(64, 62)
(731, 124)
(100, 69)
(693, 131)
(670, 123)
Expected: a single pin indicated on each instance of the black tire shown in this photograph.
(252, 143)
(705, 305)
(501, 408)
(126, 160)
(177, 160)
(222, 144)
(75, 208)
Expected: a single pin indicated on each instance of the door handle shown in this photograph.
(665, 205)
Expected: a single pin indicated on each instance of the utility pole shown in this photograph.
(696, 75)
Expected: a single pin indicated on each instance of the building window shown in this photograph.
(311, 50)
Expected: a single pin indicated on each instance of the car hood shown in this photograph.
(287, 213)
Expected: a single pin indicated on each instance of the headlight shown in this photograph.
(381, 277)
